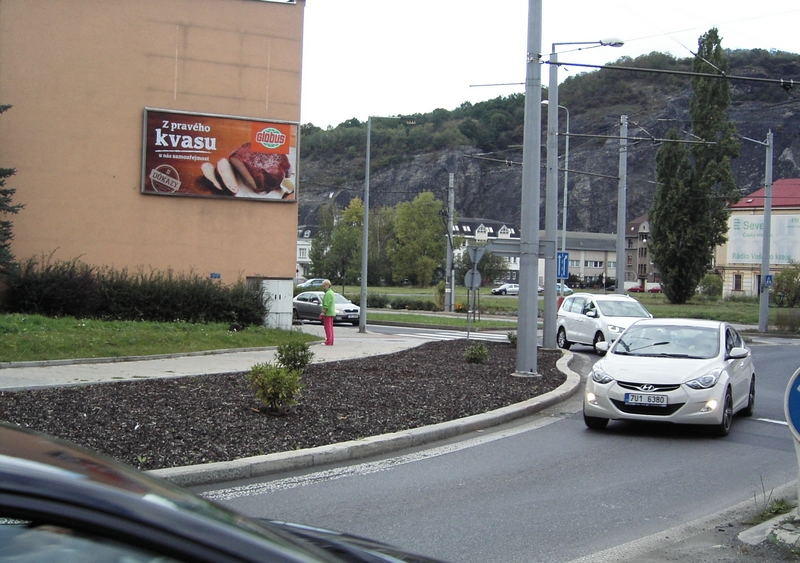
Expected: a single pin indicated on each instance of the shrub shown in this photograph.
(476, 353)
(72, 288)
(512, 338)
(441, 291)
(711, 285)
(460, 308)
(377, 300)
(276, 387)
(413, 304)
(294, 355)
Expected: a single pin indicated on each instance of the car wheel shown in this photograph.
(296, 317)
(355, 323)
(724, 427)
(594, 422)
(598, 338)
(751, 399)
(503, 292)
(561, 339)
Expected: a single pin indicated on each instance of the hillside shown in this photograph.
(481, 143)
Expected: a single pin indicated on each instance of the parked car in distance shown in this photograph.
(60, 502)
(683, 371)
(567, 289)
(655, 289)
(313, 283)
(636, 289)
(506, 289)
(308, 306)
(588, 318)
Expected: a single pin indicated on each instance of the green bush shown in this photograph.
(413, 304)
(377, 300)
(72, 288)
(787, 320)
(512, 338)
(477, 353)
(711, 285)
(276, 387)
(294, 355)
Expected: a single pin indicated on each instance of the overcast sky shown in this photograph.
(392, 57)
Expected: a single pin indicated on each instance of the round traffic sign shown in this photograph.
(791, 404)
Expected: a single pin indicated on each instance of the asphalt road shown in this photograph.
(546, 488)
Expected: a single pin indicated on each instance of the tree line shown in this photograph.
(407, 245)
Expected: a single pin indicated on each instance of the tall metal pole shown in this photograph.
(763, 302)
(551, 205)
(362, 316)
(622, 196)
(450, 289)
(566, 177)
(531, 184)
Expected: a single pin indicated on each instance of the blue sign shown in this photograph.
(768, 280)
(791, 405)
(563, 266)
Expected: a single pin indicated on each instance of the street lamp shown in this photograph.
(566, 189)
(551, 196)
(362, 316)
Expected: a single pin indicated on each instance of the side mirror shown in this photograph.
(315, 300)
(738, 353)
(591, 314)
(602, 346)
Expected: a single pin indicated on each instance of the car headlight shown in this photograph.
(615, 329)
(600, 376)
(706, 381)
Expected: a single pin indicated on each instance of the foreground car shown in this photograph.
(59, 502)
(506, 289)
(683, 371)
(308, 306)
(587, 318)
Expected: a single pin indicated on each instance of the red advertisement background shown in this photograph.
(177, 145)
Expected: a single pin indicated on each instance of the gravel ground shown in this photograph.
(187, 421)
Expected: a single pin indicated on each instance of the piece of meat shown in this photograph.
(211, 174)
(262, 172)
(228, 176)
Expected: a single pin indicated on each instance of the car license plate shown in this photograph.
(352, 316)
(644, 399)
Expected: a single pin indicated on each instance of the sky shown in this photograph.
(366, 58)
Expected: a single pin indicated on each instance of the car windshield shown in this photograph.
(622, 309)
(342, 300)
(669, 341)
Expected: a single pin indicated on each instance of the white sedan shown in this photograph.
(684, 371)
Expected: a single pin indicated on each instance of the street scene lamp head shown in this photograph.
(612, 42)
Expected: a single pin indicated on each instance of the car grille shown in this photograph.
(350, 310)
(648, 410)
(650, 387)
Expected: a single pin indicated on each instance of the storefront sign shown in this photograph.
(746, 239)
(190, 154)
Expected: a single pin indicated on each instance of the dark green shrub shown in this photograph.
(413, 304)
(75, 289)
(377, 300)
(294, 355)
(276, 387)
(476, 353)
(710, 285)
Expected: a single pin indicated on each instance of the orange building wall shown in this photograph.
(79, 74)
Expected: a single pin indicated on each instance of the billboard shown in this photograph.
(204, 155)
(746, 239)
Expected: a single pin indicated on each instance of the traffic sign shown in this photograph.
(475, 253)
(768, 280)
(473, 279)
(791, 404)
(563, 266)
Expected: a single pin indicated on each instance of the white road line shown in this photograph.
(771, 421)
(369, 467)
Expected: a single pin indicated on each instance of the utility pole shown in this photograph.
(622, 196)
(763, 302)
(450, 275)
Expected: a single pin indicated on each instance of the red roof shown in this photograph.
(785, 193)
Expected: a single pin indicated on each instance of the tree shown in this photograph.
(491, 267)
(420, 243)
(689, 217)
(344, 255)
(381, 239)
(322, 242)
(7, 260)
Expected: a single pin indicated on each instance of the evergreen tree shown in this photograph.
(318, 254)
(689, 218)
(7, 262)
(344, 254)
(420, 242)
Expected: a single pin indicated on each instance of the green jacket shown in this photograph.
(328, 305)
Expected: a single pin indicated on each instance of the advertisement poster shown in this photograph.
(746, 239)
(190, 154)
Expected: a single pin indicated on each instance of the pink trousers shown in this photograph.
(327, 322)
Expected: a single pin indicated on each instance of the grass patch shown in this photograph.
(33, 337)
(441, 320)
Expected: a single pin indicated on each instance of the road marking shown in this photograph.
(369, 467)
(458, 335)
(771, 421)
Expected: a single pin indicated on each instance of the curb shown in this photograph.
(258, 466)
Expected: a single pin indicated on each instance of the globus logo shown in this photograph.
(270, 138)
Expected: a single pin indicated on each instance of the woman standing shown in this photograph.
(328, 312)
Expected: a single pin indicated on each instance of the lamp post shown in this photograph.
(551, 196)
(566, 189)
(362, 316)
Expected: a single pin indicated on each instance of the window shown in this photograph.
(574, 263)
(642, 269)
(593, 263)
(737, 282)
(302, 252)
(612, 265)
(630, 260)
(642, 251)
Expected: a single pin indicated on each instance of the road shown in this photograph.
(546, 488)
